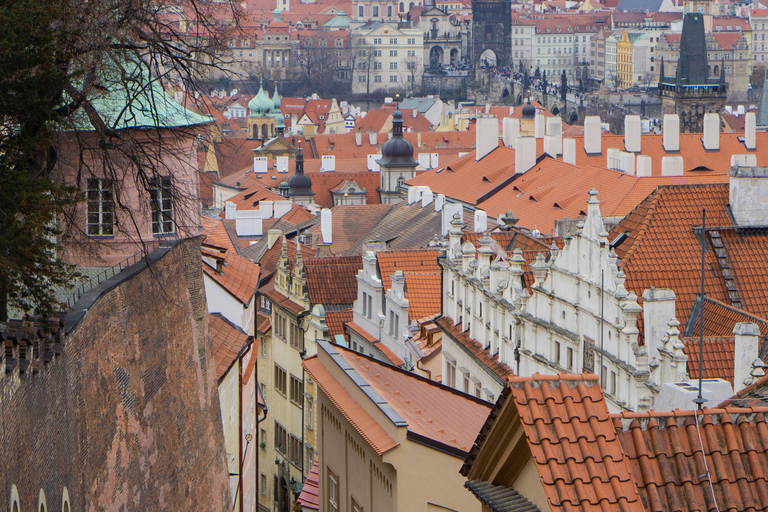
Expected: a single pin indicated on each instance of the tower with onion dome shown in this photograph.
(396, 164)
(300, 185)
(261, 120)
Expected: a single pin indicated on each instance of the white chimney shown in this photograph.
(643, 166)
(414, 194)
(632, 133)
(745, 160)
(326, 225)
(750, 126)
(510, 131)
(418, 140)
(658, 310)
(593, 135)
(486, 136)
(230, 210)
(551, 145)
(525, 154)
(423, 159)
(248, 223)
(281, 163)
(672, 165)
(612, 158)
(487, 108)
(439, 202)
(427, 197)
(329, 163)
(449, 210)
(539, 125)
(265, 207)
(434, 159)
(671, 135)
(711, 131)
(748, 194)
(729, 109)
(372, 138)
(358, 138)
(555, 129)
(740, 110)
(282, 207)
(414, 113)
(569, 151)
(627, 162)
(373, 165)
(481, 221)
(260, 164)
(746, 349)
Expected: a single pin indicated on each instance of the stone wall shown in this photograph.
(127, 416)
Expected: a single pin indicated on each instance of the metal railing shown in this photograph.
(108, 273)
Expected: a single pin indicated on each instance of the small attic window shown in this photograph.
(486, 179)
(557, 206)
(531, 198)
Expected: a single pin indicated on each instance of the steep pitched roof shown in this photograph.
(309, 497)
(720, 318)
(426, 408)
(422, 278)
(475, 349)
(228, 340)
(332, 280)
(239, 276)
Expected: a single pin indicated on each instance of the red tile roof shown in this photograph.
(365, 425)
(422, 278)
(309, 497)
(281, 300)
(335, 320)
(574, 444)
(483, 356)
(239, 276)
(228, 340)
(332, 280)
(720, 319)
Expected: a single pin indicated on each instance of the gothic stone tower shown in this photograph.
(492, 30)
(690, 93)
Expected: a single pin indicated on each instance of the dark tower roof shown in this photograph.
(397, 151)
(529, 111)
(692, 64)
(300, 184)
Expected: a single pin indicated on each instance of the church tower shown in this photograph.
(492, 30)
(397, 164)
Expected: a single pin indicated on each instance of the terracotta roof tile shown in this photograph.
(332, 280)
(365, 425)
(351, 223)
(335, 320)
(228, 340)
(720, 319)
(422, 278)
(239, 276)
(309, 497)
(281, 300)
(263, 323)
(483, 356)
(574, 443)
(431, 410)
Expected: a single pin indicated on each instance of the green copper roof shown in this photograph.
(127, 97)
(341, 20)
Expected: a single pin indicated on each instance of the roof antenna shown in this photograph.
(700, 401)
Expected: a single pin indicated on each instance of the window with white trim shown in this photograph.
(161, 202)
(99, 207)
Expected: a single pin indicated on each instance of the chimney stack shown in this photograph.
(627, 162)
(671, 135)
(554, 136)
(612, 158)
(326, 226)
(510, 131)
(230, 210)
(372, 138)
(746, 337)
(748, 195)
(358, 138)
(569, 151)
(750, 127)
(525, 154)
(486, 136)
(643, 166)
(593, 135)
(329, 163)
(672, 165)
(273, 235)
(658, 310)
(539, 125)
(632, 136)
(711, 132)
(481, 221)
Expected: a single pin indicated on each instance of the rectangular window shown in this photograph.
(281, 438)
(478, 389)
(333, 492)
(375, 11)
(393, 78)
(161, 202)
(377, 53)
(376, 40)
(612, 389)
(356, 506)
(263, 347)
(308, 409)
(392, 40)
(557, 353)
(99, 207)
(280, 380)
(370, 298)
(393, 65)
(365, 304)
(411, 53)
(297, 337)
(263, 443)
(411, 40)
(377, 65)
(393, 53)
(263, 484)
(465, 386)
(377, 78)
(279, 326)
(295, 453)
(450, 373)
(569, 359)
(297, 390)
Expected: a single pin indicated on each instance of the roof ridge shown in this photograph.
(378, 223)
(677, 413)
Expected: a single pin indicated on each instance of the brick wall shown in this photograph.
(127, 418)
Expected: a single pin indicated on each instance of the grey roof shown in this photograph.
(762, 107)
(500, 498)
(421, 105)
(639, 5)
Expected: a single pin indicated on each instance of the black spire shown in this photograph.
(300, 161)
(692, 64)
(661, 72)
(722, 72)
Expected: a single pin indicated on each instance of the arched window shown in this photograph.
(402, 7)
(14, 499)
(389, 11)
